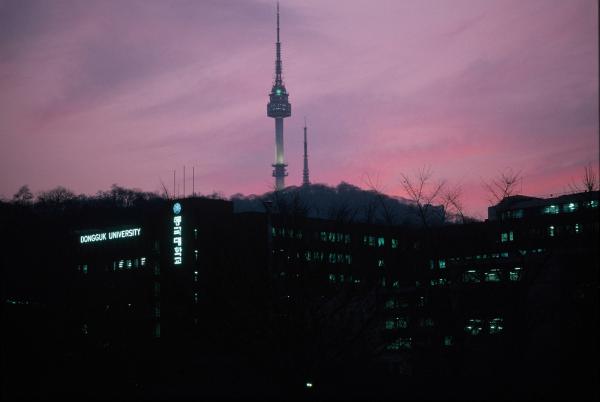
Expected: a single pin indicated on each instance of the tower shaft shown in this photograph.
(279, 108)
(305, 178)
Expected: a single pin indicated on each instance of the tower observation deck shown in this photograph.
(279, 108)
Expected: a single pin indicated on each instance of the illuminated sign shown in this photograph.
(177, 235)
(103, 236)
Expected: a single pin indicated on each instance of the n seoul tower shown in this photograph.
(279, 108)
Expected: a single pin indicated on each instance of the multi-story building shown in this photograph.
(511, 299)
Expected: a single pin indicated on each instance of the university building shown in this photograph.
(313, 297)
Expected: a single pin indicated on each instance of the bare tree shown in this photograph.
(423, 192)
(452, 203)
(502, 186)
(23, 196)
(589, 181)
(389, 217)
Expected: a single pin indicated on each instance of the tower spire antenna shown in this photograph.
(305, 178)
(279, 108)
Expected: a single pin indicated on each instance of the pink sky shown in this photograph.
(100, 92)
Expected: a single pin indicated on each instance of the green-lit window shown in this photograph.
(517, 213)
(577, 228)
(195, 234)
(507, 236)
(471, 276)
(143, 261)
(390, 304)
(448, 340)
(442, 264)
(550, 209)
(396, 284)
(592, 204)
(84, 268)
(438, 282)
(394, 243)
(400, 343)
(332, 278)
(380, 241)
(551, 231)
(570, 207)
(496, 325)
(195, 276)
(515, 274)
(474, 326)
(380, 263)
(492, 275)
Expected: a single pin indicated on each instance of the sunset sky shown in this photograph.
(100, 92)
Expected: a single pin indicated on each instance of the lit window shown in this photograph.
(400, 343)
(380, 263)
(394, 243)
(442, 264)
(195, 276)
(390, 304)
(196, 254)
(471, 276)
(518, 213)
(515, 274)
(492, 276)
(592, 204)
(496, 325)
(550, 209)
(551, 231)
(85, 269)
(121, 263)
(474, 326)
(332, 278)
(503, 237)
(380, 242)
(570, 207)
(143, 261)
(448, 340)
(577, 228)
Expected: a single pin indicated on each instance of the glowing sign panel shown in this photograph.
(177, 235)
(103, 236)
